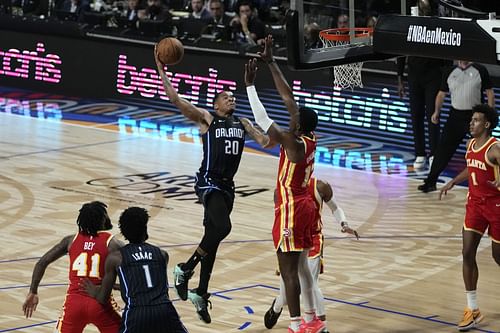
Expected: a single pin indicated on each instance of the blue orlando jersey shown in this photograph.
(143, 275)
(223, 144)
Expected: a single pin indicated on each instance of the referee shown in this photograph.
(465, 82)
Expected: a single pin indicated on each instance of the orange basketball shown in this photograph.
(170, 51)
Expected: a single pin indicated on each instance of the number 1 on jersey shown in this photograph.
(148, 276)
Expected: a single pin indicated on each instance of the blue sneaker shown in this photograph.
(181, 279)
(201, 303)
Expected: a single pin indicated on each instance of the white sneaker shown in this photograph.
(419, 162)
(431, 159)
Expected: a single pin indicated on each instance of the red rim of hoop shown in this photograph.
(342, 34)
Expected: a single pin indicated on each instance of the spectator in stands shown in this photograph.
(156, 10)
(132, 10)
(246, 26)
(23, 7)
(343, 21)
(311, 36)
(219, 23)
(73, 9)
(371, 21)
(198, 11)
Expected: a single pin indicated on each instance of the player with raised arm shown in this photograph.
(294, 207)
(88, 250)
(483, 203)
(322, 193)
(142, 269)
(223, 135)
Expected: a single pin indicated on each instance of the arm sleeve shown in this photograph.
(338, 213)
(258, 110)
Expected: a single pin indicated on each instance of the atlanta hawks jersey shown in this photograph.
(294, 177)
(481, 170)
(223, 144)
(87, 255)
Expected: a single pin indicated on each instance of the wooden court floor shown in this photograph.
(403, 275)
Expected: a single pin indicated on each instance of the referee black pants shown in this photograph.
(454, 132)
(423, 88)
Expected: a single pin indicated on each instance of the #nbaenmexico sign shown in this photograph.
(446, 38)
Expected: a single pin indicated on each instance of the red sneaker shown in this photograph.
(314, 326)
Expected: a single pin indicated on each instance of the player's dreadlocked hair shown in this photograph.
(93, 217)
(133, 224)
(489, 113)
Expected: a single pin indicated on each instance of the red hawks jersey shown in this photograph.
(293, 178)
(87, 255)
(481, 170)
(318, 202)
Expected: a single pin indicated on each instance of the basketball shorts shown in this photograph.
(482, 214)
(317, 245)
(294, 224)
(80, 310)
(204, 186)
(152, 319)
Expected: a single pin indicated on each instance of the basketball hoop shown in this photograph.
(347, 75)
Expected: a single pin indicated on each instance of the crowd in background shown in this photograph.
(239, 22)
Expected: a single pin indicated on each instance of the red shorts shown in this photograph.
(317, 245)
(80, 310)
(482, 214)
(294, 224)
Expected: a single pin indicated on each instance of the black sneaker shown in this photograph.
(181, 279)
(201, 303)
(427, 187)
(271, 317)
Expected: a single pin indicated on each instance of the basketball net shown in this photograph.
(347, 75)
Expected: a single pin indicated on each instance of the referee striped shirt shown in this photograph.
(466, 85)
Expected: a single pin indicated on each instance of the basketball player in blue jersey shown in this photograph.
(142, 269)
(223, 136)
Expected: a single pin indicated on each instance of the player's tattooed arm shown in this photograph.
(56, 252)
(262, 139)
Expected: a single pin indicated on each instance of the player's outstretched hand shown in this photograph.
(90, 288)
(267, 54)
(250, 71)
(349, 230)
(29, 305)
(157, 59)
(444, 190)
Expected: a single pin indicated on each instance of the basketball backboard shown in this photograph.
(395, 32)
(307, 18)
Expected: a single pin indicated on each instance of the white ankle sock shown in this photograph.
(309, 316)
(295, 323)
(471, 299)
